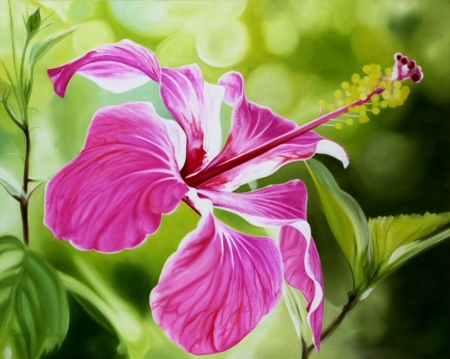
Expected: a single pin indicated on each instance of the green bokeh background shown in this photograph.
(291, 54)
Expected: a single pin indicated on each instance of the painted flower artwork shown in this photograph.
(190, 205)
(136, 166)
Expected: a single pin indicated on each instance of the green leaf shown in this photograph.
(40, 49)
(33, 23)
(5, 89)
(397, 239)
(34, 313)
(238, 223)
(11, 185)
(296, 305)
(346, 220)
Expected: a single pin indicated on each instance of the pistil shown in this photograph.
(378, 89)
(209, 173)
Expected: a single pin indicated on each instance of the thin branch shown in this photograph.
(353, 299)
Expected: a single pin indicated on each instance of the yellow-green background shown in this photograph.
(292, 54)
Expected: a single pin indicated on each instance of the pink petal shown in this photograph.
(216, 288)
(302, 270)
(113, 193)
(117, 67)
(253, 127)
(275, 205)
(195, 104)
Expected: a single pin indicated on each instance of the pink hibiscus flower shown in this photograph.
(136, 166)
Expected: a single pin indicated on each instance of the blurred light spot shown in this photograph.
(344, 17)
(437, 56)
(163, 18)
(177, 50)
(8, 352)
(82, 10)
(372, 47)
(144, 17)
(270, 85)
(280, 34)
(222, 43)
(388, 163)
(90, 35)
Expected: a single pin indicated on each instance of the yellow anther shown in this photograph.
(405, 91)
(386, 94)
(375, 110)
(367, 69)
(345, 85)
(397, 84)
(364, 119)
(322, 103)
(355, 78)
(338, 125)
(392, 104)
(363, 97)
(339, 103)
(375, 98)
(388, 72)
(384, 104)
(348, 101)
(349, 121)
(331, 107)
(338, 94)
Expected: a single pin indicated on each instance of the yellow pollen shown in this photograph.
(361, 89)
(388, 72)
(376, 111)
(364, 119)
(338, 94)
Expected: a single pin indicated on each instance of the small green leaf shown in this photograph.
(346, 220)
(296, 305)
(33, 23)
(40, 49)
(238, 223)
(5, 89)
(11, 185)
(397, 239)
(34, 313)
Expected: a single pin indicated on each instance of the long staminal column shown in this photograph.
(375, 90)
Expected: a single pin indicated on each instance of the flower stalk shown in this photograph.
(353, 300)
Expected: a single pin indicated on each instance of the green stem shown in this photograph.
(305, 353)
(13, 116)
(25, 92)
(21, 93)
(13, 47)
(26, 180)
(353, 299)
